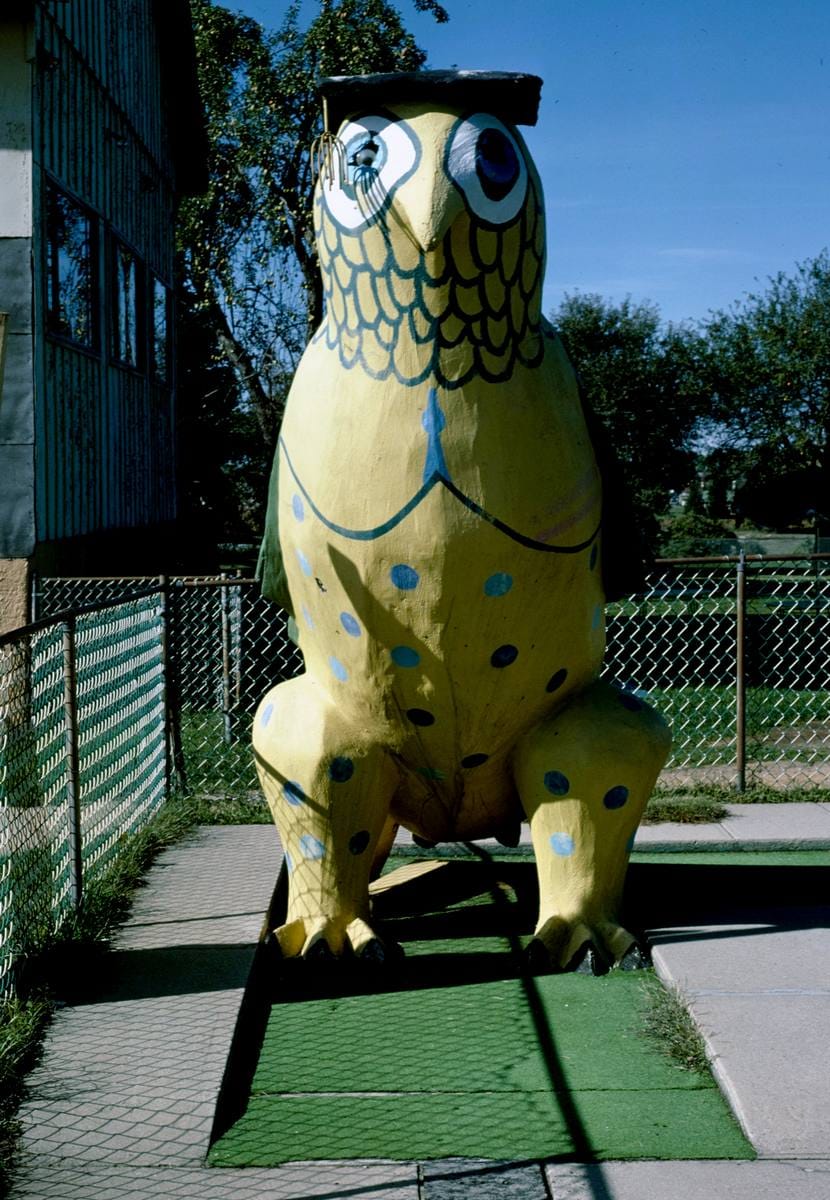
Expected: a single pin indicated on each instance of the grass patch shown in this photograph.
(216, 760)
(707, 802)
(22, 1026)
(722, 794)
(250, 809)
(684, 807)
(668, 1025)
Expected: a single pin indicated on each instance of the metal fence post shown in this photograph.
(227, 720)
(174, 754)
(73, 783)
(165, 676)
(740, 675)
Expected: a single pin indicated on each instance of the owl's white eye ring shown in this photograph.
(487, 165)
(380, 154)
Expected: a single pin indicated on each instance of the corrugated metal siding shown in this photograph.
(105, 455)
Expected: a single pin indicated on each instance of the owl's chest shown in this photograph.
(442, 545)
(365, 453)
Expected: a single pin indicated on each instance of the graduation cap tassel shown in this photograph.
(328, 154)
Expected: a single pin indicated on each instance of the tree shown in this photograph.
(642, 381)
(247, 265)
(767, 368)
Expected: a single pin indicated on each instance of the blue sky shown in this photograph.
(684, 145)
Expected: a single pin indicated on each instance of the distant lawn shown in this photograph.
(782, 725)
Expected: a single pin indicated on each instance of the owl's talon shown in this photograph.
(373, 953)
(638, 958)
(589, 960)
(562, 945)
(539, 959)
(319, 951)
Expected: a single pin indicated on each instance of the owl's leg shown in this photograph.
(584, 776)
(329, 788)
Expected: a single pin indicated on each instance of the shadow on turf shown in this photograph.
(487, 898)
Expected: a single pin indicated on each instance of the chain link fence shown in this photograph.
(735, 654)
(733, 651)
(83, 760)
(102, 708)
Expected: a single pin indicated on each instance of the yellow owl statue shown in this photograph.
(443, 516)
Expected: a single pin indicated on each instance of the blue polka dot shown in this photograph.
(420, 716)
(341, 769)
(555, 682)
(289, 863)
(293, 793)
(474, 760)
(562, 844)
(350, 624)
(504, 656)
(267, 713)
(616, 798)
(557, 783)
(309, 620)
(596, 619)
(359, 841)
(404, 577)
(338, 670)
(304, 563)
(594, 556)
(498, 584)
(311, 847)
(405, 656)
(630, 702)
(297, 506)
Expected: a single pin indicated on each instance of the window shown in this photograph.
(126, 332)
(160, 331)
(71, 274)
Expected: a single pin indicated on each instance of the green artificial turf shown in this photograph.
(462, 1053)
(733, 858)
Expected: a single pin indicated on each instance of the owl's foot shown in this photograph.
(591, 948)
(324, 939)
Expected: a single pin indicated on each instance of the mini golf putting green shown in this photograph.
(457, 1051)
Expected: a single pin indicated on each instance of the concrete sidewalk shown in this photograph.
(123, 1103)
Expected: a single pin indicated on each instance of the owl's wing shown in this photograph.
(269, 569)
(625, 557)
(624, 554)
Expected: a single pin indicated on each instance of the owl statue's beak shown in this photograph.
(426, 207)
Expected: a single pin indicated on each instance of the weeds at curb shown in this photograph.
(687, 808)
(668, 1025)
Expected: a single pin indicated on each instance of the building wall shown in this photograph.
(17, 527)
(104, 432)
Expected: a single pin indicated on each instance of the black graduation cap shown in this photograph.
(506, 94)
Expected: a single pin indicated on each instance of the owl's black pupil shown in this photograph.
(497, 164)
(366, 153)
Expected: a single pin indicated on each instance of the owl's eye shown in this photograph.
(485, 162)
(379, 155)
(365, 155)
(497, 163)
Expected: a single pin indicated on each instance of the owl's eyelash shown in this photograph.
(364, 178)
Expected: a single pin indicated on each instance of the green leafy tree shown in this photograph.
(247, 264)
(692, 534)
(642, 381)
(767, 368)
